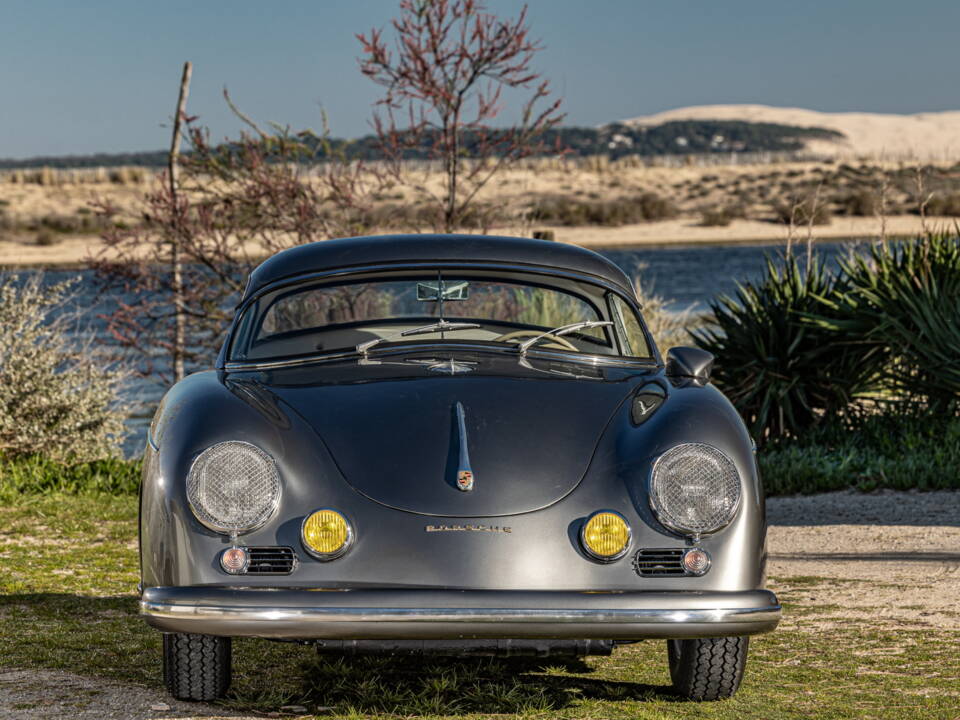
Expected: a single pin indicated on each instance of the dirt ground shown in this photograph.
(890, 559)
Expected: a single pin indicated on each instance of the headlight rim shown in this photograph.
(339, 552)
(198, 514)
(658, 511)
(605, 559)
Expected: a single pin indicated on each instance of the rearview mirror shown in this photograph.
(690, 362)
(430, 291)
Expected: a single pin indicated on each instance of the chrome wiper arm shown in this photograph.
(562, 330)
(442, 326)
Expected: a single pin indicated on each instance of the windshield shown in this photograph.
(311, 319)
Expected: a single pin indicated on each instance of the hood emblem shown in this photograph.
(464, 471)
(452, 367)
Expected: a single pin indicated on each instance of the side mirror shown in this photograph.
(690, 362)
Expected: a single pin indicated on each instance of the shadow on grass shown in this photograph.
(105, 637)
(451, 686)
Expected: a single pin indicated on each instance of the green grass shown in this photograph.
(67, 587)
(899, 453)
(31, 475)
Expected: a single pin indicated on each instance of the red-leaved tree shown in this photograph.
(445, 79)
(232, 205)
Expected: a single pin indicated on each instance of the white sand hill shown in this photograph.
(933, 136)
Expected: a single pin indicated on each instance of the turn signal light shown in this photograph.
(606, 536)
(234, 560)
(696, 561)
(326, 534)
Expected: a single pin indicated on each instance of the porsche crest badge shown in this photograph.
(465, 480)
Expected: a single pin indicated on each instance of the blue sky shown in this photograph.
(101, 75)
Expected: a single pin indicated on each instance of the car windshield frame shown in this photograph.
(598, 295)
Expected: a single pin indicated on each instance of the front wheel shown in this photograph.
(707, 668)
(196, 667)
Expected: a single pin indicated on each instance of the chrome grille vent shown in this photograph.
(659, 563)
(271, 560)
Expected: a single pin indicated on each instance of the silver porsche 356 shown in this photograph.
(451, 444)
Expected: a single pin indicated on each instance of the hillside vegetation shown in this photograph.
(615, 140)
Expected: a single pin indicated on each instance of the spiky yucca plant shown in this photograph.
(903, 301)
(783, 373)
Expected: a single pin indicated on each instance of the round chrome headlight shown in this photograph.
(694, 489)
(233, 487)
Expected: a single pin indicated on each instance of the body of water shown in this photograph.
(688, 277)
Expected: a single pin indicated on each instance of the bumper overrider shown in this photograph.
(437, 614)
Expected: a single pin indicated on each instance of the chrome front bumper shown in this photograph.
(438, 614)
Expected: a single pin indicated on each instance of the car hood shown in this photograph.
(393, 429)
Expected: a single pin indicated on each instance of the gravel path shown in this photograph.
(35, 694)
(890, 559)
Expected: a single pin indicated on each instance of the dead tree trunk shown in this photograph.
(176, 255)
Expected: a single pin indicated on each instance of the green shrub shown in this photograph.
(784, 375)
(647, 207)
(801, 349)
(801, 212)
(940, 204)
(40, 475)
(721, 216)
(46, 238)
(55, 400)
(882, 451)
(899, 309)
(862, 203)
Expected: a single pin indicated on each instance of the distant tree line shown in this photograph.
(615, 140)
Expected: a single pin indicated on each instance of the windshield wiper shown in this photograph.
(441, 327)
(562, 330)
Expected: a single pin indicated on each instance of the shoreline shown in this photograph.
(75, 251)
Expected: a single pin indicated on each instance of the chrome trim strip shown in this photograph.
(173, 611)
(583, 358)
(465, 478)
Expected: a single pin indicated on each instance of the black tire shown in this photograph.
(708, 668)
(196, 667)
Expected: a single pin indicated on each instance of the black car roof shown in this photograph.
(434, 248)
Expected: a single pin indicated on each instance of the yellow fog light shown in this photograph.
(606, 536)
(326, 534)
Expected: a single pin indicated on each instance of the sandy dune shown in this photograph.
(933, 136)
